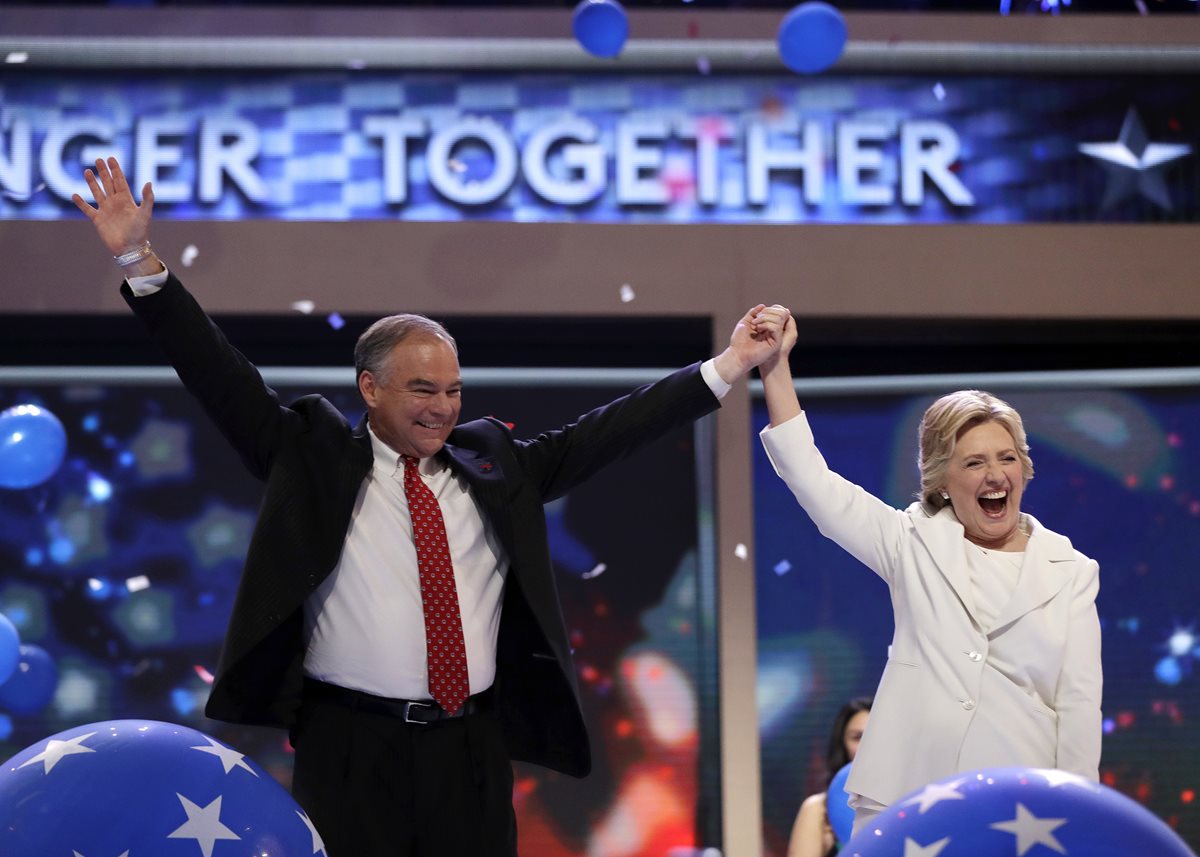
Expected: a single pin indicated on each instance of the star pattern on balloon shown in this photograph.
(56, 750)
(318, 844)
(230, 758)
(935, 793)
(912, 849)
(203, 825)
(1031, 830)
(1134, 164)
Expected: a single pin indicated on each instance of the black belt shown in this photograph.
(408, 710)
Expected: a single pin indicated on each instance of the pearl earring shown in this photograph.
(945, 494)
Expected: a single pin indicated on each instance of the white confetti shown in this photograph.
(627, 293)
(939, 91)
(189, 254)
(16, 57)
(137, 584)
(595, 572)
(456, 166)
(305, 307)
(741, 551)
(782, 567)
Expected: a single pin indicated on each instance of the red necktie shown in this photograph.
(446, 651)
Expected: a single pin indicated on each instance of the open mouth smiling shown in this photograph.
(994, 503)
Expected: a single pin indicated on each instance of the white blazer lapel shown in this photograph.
(942, 534)
(1046, 570)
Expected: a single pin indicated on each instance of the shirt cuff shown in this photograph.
(147, 285)
(718, 385)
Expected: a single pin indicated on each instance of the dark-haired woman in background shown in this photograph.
(812, 834)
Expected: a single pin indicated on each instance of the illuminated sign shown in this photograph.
(644, 149)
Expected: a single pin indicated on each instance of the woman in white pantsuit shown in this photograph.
(996, 655)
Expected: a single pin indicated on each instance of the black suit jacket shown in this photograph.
(313, 463)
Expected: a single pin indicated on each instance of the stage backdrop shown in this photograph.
(123, 567)
(1117, 461)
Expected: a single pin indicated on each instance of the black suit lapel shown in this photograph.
(485, 477)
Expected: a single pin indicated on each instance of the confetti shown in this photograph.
(305, 307)
(627, 293)
(782, 567)
(137, 584)
(703, 65)
(15, 57)
(741, 551)
(189, 254)
(595, 572)
(939, 91)
(335, 321)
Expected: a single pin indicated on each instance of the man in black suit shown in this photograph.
(334, 618)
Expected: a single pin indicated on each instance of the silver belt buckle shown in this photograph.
(408, 706)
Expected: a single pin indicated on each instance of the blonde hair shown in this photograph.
(946, 420)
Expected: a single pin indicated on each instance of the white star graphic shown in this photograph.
(203, 824)
(935, 792)
(1133, 163)
(933, 849)
(55, 750)
(1055, 778)
(230, 759)
(1031, 830)
(318, 843)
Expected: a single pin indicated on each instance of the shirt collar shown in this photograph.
(392, 462)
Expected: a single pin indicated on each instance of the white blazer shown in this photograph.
(952, 697)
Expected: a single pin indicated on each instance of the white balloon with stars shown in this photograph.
(143, 788)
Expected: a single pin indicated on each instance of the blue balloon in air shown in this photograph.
(10, 648)
(601, 27)
(32, 684)
(837, 806)
(32, 445)
(811, 37)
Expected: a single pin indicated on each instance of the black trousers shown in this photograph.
(375, 786)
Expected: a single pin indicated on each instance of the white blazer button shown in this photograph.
(968, 704)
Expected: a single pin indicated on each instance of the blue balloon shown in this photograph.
(32, 684)
(601, 27)
(811, 37)
(10, 648)
(146, 788)
(837, 806)
(1006, 811)
(32, 445)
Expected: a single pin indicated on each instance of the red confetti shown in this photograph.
(1187, 795)
(205, 675)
